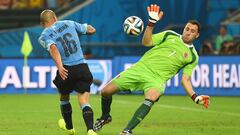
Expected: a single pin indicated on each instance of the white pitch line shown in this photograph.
(199, 110)
(184, 108)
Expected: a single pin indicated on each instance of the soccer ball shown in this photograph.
(133, 26)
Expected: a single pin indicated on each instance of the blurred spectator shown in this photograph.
(22, 4)
(235, 48)
(5, 4)
(227, 48)
(51, 4)
(207, 48)
(238, 49)
(14, 4)
(222, 37)
(63, 3)
(36, 3)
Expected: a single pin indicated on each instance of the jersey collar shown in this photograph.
(187, 45)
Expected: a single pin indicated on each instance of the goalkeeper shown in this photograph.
(171, 53)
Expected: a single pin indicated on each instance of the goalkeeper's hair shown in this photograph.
(195, 22)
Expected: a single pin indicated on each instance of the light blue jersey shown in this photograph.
(64, 34)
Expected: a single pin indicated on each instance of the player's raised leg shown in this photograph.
(106, 102)
(66, 111)
(151, 96)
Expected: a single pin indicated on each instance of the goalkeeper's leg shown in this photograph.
(151, 96)
(106, 102)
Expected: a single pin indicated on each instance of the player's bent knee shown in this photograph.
(64, 97)
(82, 101)
(152, 95)
(154, 98)
(109, 90)
(83, 98)
(106, 93)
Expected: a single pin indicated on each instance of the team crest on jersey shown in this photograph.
(185, 55)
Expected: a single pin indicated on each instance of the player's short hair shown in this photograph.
(46, 15)
(195, 22)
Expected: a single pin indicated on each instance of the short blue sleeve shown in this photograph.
(45, 41)
(81, 28)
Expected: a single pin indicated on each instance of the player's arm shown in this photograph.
(187, 85)
(186, 82)
(53, 50)
(90, 30)
(201, 99)
(155, 14)
(84, 28)
(48, 44)
(147, 36)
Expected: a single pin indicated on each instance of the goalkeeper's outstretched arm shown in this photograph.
(147, 37)
(202, 99)
(155, 14)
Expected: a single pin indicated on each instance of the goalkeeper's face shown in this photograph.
(190, 33)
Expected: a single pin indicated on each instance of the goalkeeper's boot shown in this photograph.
(126, 132)
(91, 132)
(62, 125)
(101, 122)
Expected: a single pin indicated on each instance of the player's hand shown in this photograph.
(63, 72)
(202, 100)
(155, 14)
(90, 30)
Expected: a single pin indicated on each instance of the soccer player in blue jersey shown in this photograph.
(61, 39)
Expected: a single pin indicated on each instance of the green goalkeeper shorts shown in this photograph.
(139, 77)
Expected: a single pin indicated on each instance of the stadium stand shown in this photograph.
(109, 40)
(18, 18)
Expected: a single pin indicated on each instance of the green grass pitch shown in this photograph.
(172, 115)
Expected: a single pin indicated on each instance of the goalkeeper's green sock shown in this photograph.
(139, 115)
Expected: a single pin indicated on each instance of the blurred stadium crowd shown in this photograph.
(220, 21)
(30, 4)
(222, 44)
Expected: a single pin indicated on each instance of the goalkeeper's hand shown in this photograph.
(202, 99)
(155, 14)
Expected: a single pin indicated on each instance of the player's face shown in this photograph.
(222, 31)
(54, 18)
(190, 33)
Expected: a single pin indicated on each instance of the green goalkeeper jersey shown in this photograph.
(169, 55)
